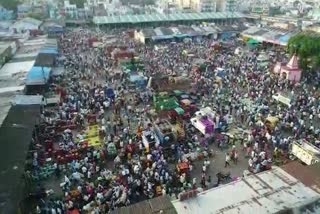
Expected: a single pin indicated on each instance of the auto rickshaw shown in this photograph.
(271, 122)
(182, 167)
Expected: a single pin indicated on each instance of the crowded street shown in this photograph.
(136, 121)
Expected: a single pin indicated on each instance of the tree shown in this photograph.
(138, 2)
(10, 4)
(79, 3)
(36, 16)
(306, 46)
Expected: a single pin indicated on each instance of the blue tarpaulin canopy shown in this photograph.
(136, 77)
(38, 76)
(181, 35)
(55, 29)
(49, 50)
(162, 37)
(284, 39)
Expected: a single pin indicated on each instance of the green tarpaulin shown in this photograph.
(252, 41)
(179, 110)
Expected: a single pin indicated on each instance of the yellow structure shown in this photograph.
(91, 135)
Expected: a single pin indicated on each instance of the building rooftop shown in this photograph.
(15, 137)
(308, 175)
(28, 20)
(12, 76)
(267, 192)
(158, 17)
(151, 206)
(270, 34)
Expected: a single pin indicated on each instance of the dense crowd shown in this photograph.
(123, 171)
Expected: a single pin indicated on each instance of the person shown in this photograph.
(194, 183)
(228, 158)
(204, 168)
(235, 156)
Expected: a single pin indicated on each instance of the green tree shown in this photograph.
(36, 16)
(10, 4)
(306, 46)
(79, 3)
(138, 2)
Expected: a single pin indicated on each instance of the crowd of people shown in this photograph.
(122, 171)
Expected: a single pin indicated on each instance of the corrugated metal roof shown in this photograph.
(148, 33)
(44, 59)
(158, 17)
(28, 100)
(15, 137)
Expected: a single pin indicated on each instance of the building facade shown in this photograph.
(197, 5)
(231, 6)
(70, 10)
(6, 14)
(24, 25)
(103, 7)
(227, 5)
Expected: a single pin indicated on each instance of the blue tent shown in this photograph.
(38, 76)
(110, 93)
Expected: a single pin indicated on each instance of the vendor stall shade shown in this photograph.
(28, 100)
(44, 59)
(136, 78)
(162, 37)
(284, 39)
(49, 51)
(38, 76)
(55, 29)
(181, 35)
(252, 41)
(179, 110)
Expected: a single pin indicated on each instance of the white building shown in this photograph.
(227, 5)
(165, 6)
(109, 7)
(197, 5)
(70, 10)
(231, 6)
(203, 5)
(25, 24)
(273, 191)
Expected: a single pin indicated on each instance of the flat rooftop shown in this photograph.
(12, 76)
(264, 193)
(3, 47)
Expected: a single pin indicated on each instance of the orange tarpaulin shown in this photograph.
(74, 211)
(183, 166)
